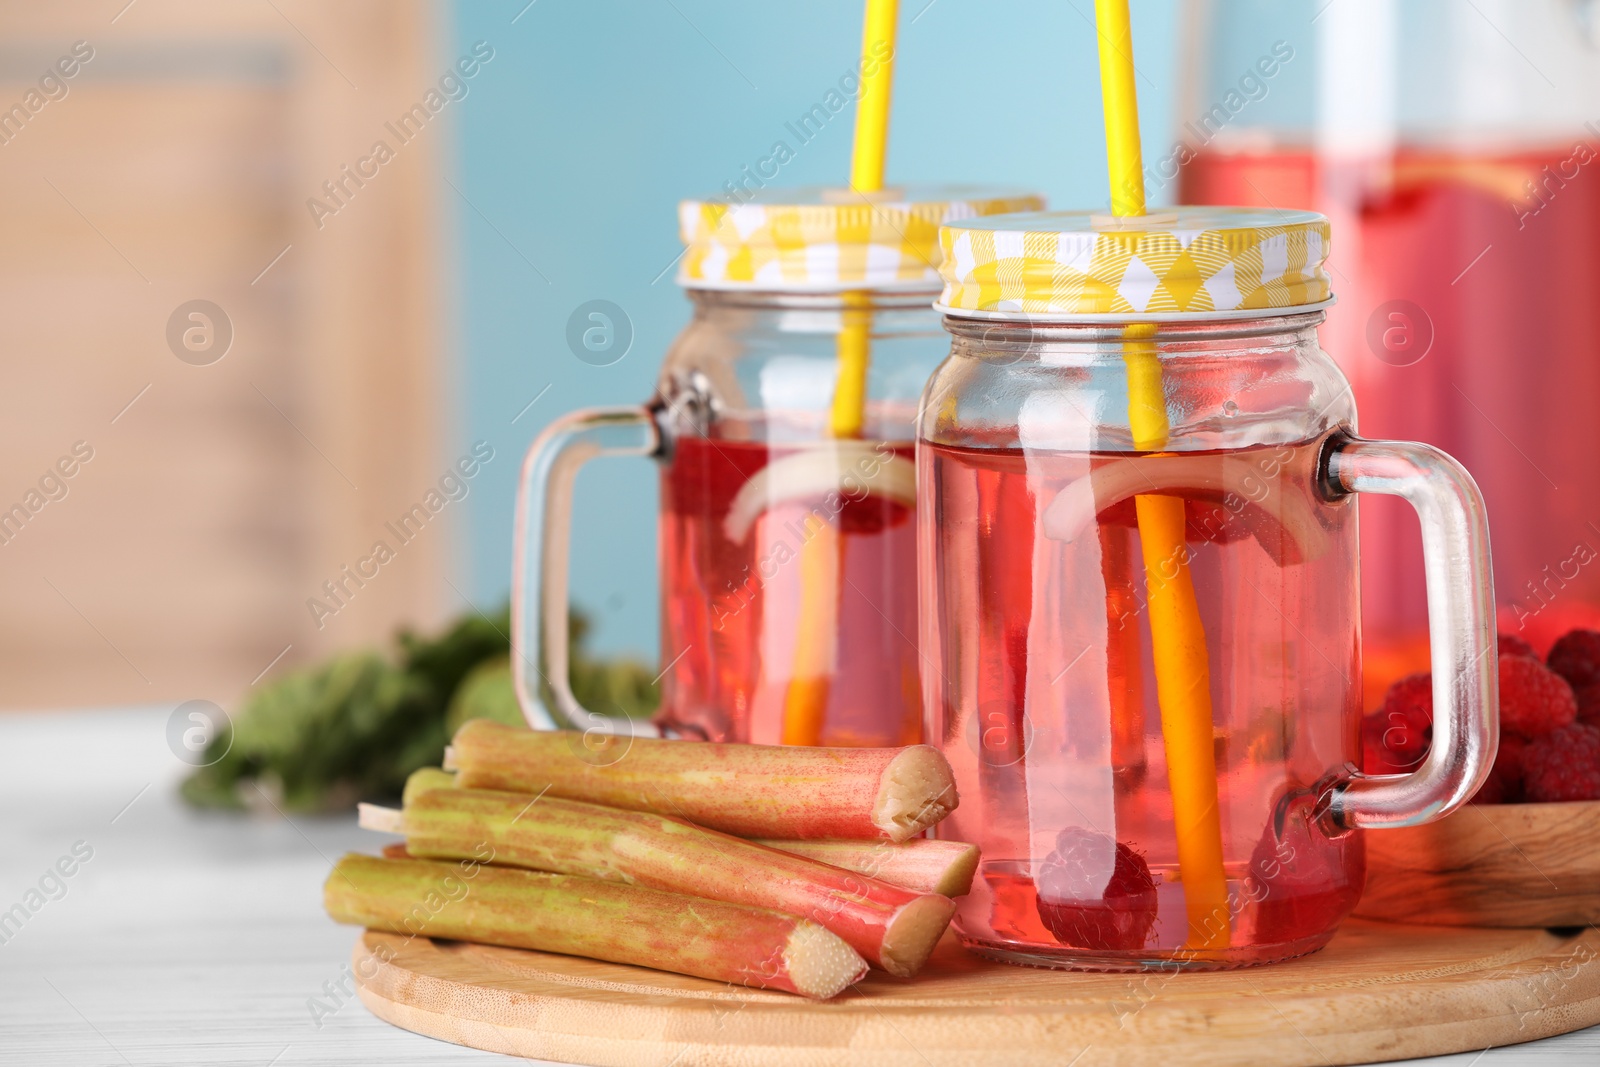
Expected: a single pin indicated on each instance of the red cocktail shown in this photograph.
(733, 531)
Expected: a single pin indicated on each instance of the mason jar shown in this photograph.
(782, 425)
(1141, 618)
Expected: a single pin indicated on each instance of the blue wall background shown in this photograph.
(596, 117)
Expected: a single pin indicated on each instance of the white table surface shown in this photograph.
(200, 939)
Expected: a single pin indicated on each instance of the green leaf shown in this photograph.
(319, 737)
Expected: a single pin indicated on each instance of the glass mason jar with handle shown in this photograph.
(1138, 477)
(787, 540)
(1456, 150)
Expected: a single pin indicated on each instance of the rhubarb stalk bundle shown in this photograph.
(892, 927)
(943, 867)
(765, 791)
(600, 920)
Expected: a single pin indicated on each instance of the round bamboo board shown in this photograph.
(1379, 991)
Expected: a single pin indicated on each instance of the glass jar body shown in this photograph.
(1040, 591)
(776, 533)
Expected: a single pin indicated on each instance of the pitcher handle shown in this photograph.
(1461, 631)
(539, 640)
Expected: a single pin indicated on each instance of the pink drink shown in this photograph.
(1497, 250)
(731, 608)
(1047, 707)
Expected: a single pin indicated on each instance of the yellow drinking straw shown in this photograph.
(1177, 636)
(867, 161)
(872, 106)
(822, 558)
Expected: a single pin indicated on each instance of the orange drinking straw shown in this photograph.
(1177, 636)
(822, 556)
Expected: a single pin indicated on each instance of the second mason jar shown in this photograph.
(1140, 592)
(782, 423)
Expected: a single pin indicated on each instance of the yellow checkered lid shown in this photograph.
(824, 239)
(1182, 263)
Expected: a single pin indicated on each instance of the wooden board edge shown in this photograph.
(1525, 1002)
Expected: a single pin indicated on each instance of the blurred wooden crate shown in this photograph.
(177, 166)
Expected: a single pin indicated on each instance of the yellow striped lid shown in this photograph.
(826, 239)
(1186, 261)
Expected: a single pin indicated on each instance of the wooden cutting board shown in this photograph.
(1489, 865)
(1379, 991)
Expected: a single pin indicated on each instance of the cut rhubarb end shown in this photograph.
(820, 964)
(912, 933)
(852, 469)
(957, 878)
(383, 820)
(917, 791)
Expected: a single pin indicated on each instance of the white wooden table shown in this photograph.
(200, 939)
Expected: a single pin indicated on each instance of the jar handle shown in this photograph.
(540, 552)
(1461, 631)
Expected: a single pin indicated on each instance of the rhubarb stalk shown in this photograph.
(748, 790)
(893, 927)
(943, 867)
(600, 920)
(850, 468)
(426, 778)
(1283, 522)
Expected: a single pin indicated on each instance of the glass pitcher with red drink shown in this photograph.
(787, 547)
(1141, 611)
(1454, 147)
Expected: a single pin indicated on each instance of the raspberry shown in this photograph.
(1376, 757)
(1533, 699)
(1564, 765)
(1504, 784)
(1095, 892)
(1510, 645)
(1395, 738)
(1301, 880)
(1588, 703)
(1576, 657)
